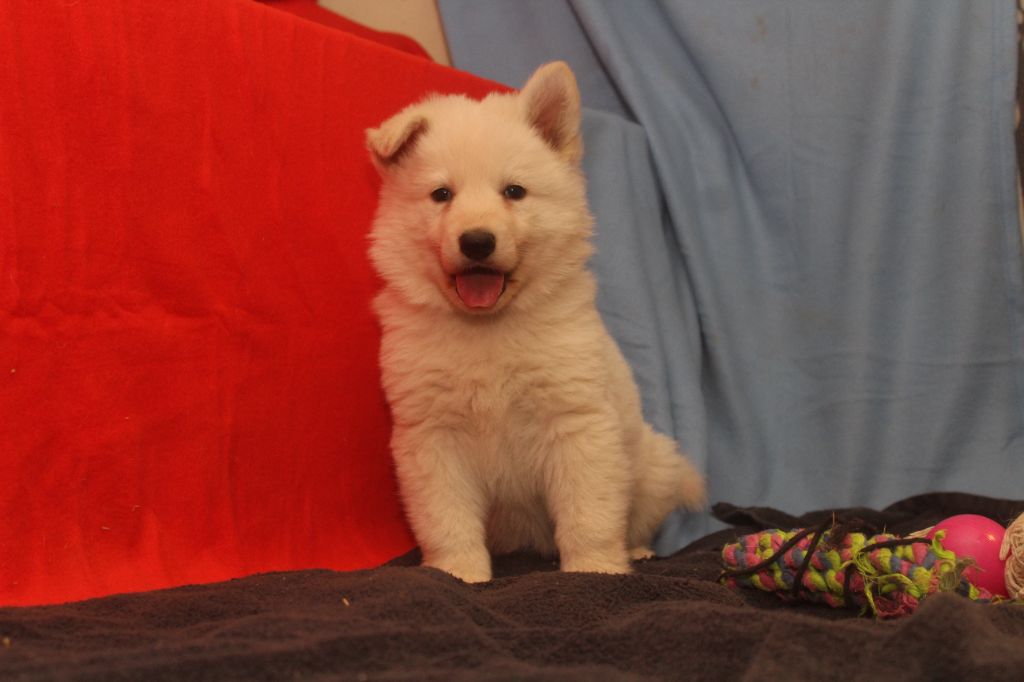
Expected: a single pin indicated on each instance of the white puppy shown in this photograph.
(517, 422)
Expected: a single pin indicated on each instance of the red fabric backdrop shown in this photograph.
(188, 377)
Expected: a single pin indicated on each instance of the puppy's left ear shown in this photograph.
(551, 103)
(395, 138)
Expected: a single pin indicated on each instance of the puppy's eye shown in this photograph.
(514, 192)
(441, 195)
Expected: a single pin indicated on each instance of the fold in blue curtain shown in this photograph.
(808, 242)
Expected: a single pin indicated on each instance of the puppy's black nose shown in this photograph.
(477, 243)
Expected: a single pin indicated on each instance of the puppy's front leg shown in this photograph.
(588, 489)
(444, 502)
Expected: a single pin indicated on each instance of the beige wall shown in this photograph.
(418, 19)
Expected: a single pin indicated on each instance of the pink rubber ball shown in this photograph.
(978, 537)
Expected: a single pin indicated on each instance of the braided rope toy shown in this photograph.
(1012, 552)
(884, 574)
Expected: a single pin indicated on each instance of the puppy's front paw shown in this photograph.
(466, 570)
(597, 564)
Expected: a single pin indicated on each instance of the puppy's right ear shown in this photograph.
(395, 138)
(551, 102)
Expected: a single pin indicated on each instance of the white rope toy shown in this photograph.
(1013, 548)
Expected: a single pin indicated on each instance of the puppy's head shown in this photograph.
(482, 204)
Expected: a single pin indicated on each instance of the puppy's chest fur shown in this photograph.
(499, 385)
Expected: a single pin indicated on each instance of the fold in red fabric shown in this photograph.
(188, 374)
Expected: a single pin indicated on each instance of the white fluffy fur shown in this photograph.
(518, 426)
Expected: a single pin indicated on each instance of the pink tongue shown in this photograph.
(479, 289)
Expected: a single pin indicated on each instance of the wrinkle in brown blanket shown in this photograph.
(670, 620)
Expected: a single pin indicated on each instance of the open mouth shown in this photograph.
(480, 287)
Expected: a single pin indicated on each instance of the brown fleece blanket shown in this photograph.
(670, 620)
